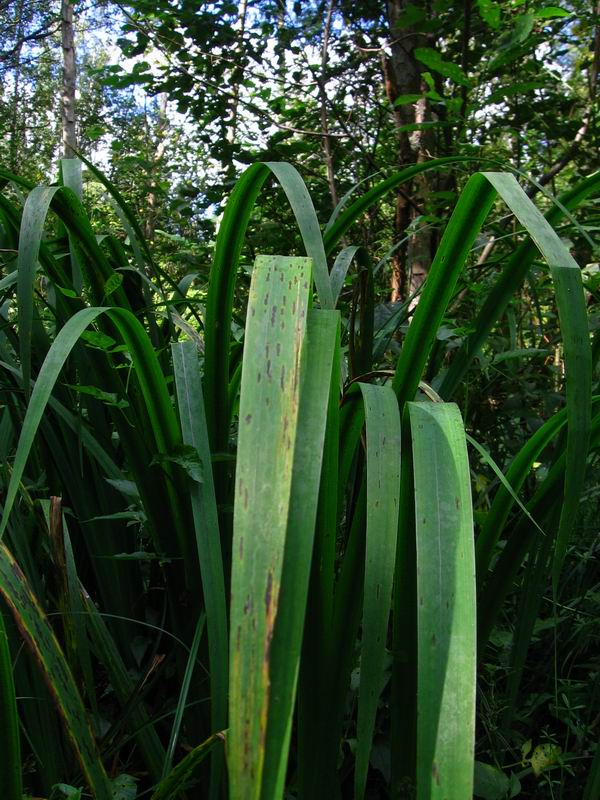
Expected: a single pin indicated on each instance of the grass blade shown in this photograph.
(30, 237)
(175, 783)
(383, 496)
(183, 695)
(11, 786)
(271, 375)
(223, 274)
(322, 340)
(511, 278)
(472, 208)
(345, 218)
(42, 642)
(206, 524)
(446, 603)
(571, 303)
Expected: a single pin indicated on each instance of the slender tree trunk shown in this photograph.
(156, 157)
(68, 115)
(231, 125)
(402, 76)
(14, 122)
(327, 149)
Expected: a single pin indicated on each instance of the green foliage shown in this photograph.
(270, 524)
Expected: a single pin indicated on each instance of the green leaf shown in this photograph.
(490, 13)
(11, 786)
(171, 787)
(551, 12)
(572, 311)
(190, 402)
(113, 283)
(42, 642)
(186, 456)
(268, 422)
(524, 87)
(434, 61)
(320, 373)
(183, 695)
(383, 496)
(489, 782)
(405, 99)
(124, 787)
(445, 603)
(30, 237)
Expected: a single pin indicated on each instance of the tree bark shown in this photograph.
(327, 149)
(69, 76)
(159, 145)
(402, 75)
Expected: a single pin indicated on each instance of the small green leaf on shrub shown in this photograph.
(490, 12)
(97, 339)
(405, 99)
(67, 292)
(124, 787)
(489, 782)
(110, 398)
(112, 284)
(551, 12)
(432, 59)
(188, 459)
(63, 790)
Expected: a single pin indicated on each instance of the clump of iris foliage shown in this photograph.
(250, 569)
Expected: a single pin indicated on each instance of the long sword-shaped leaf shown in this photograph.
(446, 603)
(383, 496)
(152, 384)
(474, 203)
(124, 686)
(181, 775)
(30, 237)
(40, 639)
(183, 695)
(515, 476)
(11, 786)
(322, 339)
(223, 274)
(571, 303)
(511, 278)
(269, 400)
(186, 369)
(344, 220)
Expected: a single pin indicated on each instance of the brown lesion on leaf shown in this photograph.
(435, 773)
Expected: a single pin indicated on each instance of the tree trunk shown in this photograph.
(68, 116)
(402, 75)
(16, 104)
(327, 149)
(158, 143)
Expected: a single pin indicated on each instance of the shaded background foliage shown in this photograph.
(174, 99)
